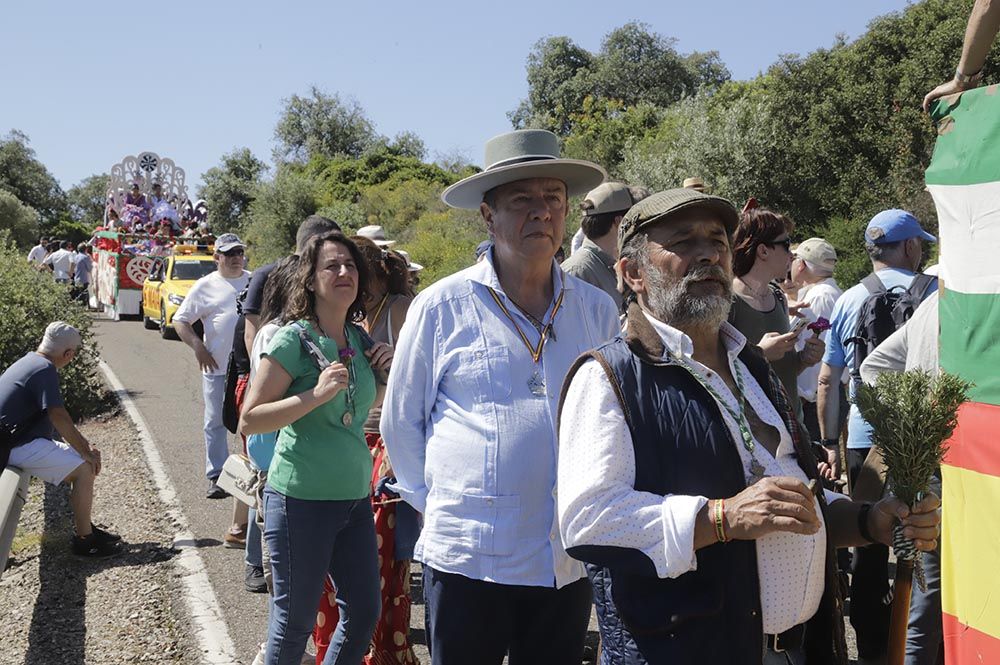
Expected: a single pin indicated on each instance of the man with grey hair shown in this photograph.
(603, 208)
(31, 410)
(684, 480)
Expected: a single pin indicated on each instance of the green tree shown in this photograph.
(275, 214)
(635, 66)
(559, 74)
(230, 188)
(25, 177)
(88, 198)
(321, 125)
(17, 221)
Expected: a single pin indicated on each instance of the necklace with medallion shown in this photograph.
(536, 384)
(757, 470)
(346, 357)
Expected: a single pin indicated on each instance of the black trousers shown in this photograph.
(471, 621)
(869, 583)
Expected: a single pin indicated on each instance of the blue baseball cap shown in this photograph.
(894, 225)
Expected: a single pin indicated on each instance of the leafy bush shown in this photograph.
(30, 301)
(18, 221)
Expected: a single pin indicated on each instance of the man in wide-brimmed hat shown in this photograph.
(684, 476)
(470, 426)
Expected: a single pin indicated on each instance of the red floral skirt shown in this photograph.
(391, 639)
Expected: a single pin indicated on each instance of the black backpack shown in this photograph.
(883, 313)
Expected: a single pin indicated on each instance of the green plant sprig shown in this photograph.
(912, 415)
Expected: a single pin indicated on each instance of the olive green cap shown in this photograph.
(662, 205)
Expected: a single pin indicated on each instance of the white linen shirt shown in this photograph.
(598, 504)
(472, 448)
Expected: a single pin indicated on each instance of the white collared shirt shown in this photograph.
(598, 504)
(472, 447)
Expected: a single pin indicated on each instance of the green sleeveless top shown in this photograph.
(753, 324)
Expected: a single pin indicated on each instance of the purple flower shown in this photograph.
(819, 325)
(346, 355)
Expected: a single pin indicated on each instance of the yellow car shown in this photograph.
(168, 283)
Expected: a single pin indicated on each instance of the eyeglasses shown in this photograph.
(236, 251)
(786, 243)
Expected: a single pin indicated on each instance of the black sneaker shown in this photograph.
(104, 536)
(254, 580)
(93, 547)
(215, 492)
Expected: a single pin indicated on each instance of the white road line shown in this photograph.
(216, 645)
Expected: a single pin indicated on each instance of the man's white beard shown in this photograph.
(672, 303)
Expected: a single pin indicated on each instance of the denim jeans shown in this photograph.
(307, 540)
(213, 391)
(925, 634)
(254, 554)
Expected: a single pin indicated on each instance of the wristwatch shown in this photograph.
(830, 443)
(967, 81)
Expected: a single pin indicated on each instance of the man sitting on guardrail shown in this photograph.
(31, 406)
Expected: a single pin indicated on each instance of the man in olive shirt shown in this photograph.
(603, 209)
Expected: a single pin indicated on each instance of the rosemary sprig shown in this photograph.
(912, 415)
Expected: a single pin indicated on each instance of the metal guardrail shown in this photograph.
(13, 495)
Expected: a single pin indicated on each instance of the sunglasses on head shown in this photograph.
(236, 251)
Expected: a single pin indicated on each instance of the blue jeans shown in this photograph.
(925, 634)
(307, 540)
(213, 391)
(254, 553)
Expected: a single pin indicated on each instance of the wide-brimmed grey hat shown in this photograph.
(662, 205)
(519, 155)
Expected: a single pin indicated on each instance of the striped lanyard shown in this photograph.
(739, 416)
(536, 351)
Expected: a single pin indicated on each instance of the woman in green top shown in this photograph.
(761, 255)
(315, 384)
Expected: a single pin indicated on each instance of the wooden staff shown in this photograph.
(900, 617)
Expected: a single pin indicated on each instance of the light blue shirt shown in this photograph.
(472, 447)
(839, 353)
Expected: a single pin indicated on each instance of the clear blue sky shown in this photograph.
(92, 82)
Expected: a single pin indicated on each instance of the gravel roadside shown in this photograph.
(60, 609)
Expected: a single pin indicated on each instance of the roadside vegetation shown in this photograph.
(29, 301)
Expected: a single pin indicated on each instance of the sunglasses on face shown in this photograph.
(786, 243)
(238, 251)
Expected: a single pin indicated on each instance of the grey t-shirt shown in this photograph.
(28, 386)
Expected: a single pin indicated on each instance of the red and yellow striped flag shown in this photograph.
(964, 179)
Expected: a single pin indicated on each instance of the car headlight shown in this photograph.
(175, 299)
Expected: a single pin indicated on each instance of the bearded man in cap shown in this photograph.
(684, 480)
(472, 434)
(603, 209)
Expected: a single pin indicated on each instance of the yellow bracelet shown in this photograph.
(720, 525)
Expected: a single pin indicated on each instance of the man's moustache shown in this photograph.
(706, 272)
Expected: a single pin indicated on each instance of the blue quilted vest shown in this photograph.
(682, 446)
